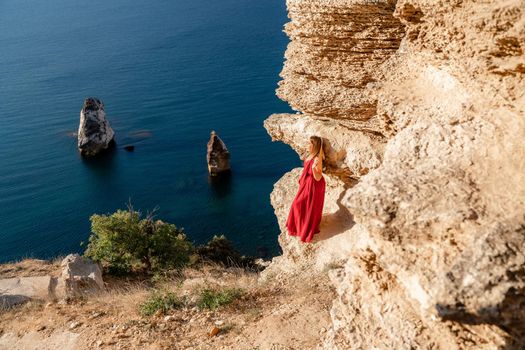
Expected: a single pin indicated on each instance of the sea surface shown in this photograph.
(168, 72)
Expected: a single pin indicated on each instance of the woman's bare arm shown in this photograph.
(317, 169)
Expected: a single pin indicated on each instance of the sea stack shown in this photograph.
(94, 133)
(218, 156)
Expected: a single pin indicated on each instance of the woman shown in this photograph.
(307, 207)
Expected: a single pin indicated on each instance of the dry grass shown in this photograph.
(29, 268)
(126, 299)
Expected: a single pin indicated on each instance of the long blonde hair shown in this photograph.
(318, 146)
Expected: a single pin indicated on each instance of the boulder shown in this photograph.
(218, 156)
(18, 290)
(94, 133)
(80, 276)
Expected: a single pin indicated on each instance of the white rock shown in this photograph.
(81, 276)
(21, 289)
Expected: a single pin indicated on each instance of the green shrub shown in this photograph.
(213, 299)
(160, 301)
(123, 242)
(221, 250)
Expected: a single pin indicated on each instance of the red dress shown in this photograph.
(307, 207)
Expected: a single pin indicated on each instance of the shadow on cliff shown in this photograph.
(333, 224)
(509, 315)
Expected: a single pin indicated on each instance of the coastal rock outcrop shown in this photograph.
(331, 245)
(217, 156)
(350, 153)
(487, 282)
(333, 59)
(422, 104)
(94, 132)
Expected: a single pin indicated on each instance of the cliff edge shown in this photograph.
(422, 105)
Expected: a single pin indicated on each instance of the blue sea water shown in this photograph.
(168, 72)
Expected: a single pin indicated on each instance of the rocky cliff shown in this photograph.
(422, 106)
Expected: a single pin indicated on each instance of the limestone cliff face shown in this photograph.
(422, 106)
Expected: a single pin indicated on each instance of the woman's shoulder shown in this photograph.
(307, 158)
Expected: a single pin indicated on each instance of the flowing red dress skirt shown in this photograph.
(307, 207)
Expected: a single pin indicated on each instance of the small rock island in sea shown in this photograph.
(218, 156)
(94, 133)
